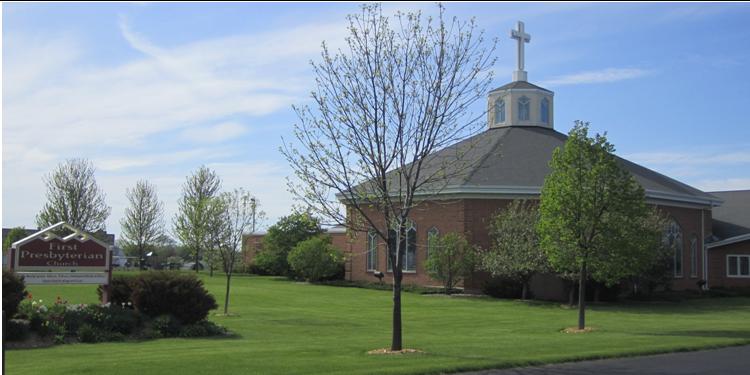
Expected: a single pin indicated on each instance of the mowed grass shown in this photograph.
(286, 327)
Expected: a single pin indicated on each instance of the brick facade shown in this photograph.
(471, 217)
(717, 271)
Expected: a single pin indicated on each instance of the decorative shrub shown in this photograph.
(316, 259)
(89, 334)
(121, 288)
(166, 325)
(203, 328)
(14, 291)
(110, 318)
(181, 295)
(34, 311)
(16, 329)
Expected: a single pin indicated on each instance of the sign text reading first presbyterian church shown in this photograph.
(47, 258)
(54, 254)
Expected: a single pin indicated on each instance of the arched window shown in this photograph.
(372, 251)
(499, 111)
(523, 108)
(673, 239)
(694, 257)
(409, 244)
(544, 109)
(432, 235)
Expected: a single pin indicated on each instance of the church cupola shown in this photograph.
(520, 103)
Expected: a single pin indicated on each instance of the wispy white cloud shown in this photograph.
(607, 75)
(214, 133)
(58, 105)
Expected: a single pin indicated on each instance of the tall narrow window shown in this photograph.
(544, 109)
(410, 263)
(432, 235)
(694, 257)
(673, 239)
(408, 247)
(372, 251)
(499, 110)
(523, 108)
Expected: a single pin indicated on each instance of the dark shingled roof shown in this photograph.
(515, 160)
(520, 85)
(732, 218)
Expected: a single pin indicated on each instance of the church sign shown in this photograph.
(46, 258)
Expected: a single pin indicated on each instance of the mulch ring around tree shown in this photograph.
(576, 330)
(389, 351)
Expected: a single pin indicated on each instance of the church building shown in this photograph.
(514, 154)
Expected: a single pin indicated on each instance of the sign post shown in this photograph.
(78, 258)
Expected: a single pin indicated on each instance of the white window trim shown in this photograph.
(389, 267)
(738, 276)
(370, 253)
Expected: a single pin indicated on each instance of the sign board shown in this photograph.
(58, 255)
(99, 278)
(47, 258)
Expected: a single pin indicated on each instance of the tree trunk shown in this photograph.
(396, 337)
(210, 270)
(226, 296)
(524, 291)
(141, 260)
(582, 298)
(197, 258)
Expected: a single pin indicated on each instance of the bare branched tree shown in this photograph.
(143, 224)
(382, 107)
(73, 196)
(238, 213)
(191, 224)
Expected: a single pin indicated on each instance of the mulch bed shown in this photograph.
(576, 330)
(389, 351)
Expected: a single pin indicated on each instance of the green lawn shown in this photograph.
(289, 328)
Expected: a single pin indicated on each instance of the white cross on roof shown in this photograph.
(522, 37)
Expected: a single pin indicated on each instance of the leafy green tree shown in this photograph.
(593, 214)
(14, 235)
(282, 237)
(143, 223)
(316, 259)
(451, 260)
(73, 196)
(191, 224)
(515, 252)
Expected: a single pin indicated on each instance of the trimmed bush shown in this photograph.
(121, 288)
(158, 293)
(316, 259)
(16, 329)
(87, 333)
(14, 291)
(166, 325)
(113, 319)
(204, 328)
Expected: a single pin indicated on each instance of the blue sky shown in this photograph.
(154, 90)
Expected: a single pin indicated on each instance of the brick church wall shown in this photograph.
(717, 270)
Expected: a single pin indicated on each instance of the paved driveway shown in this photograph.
(727, 361)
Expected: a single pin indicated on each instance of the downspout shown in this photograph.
(703, 247)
